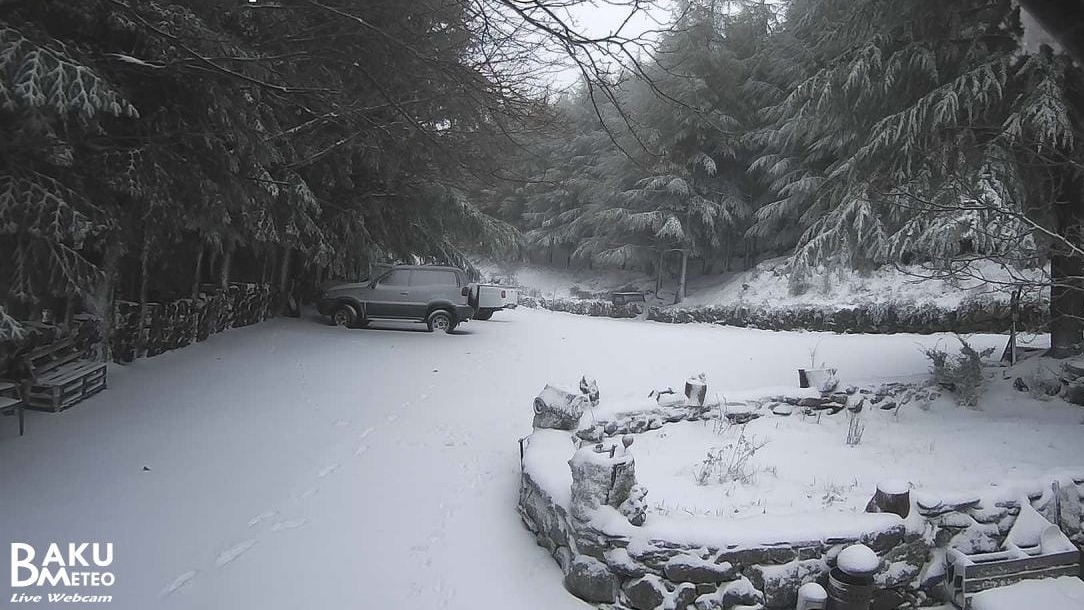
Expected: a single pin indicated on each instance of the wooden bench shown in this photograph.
(1053, 556)
(11, 403)
(61, 377)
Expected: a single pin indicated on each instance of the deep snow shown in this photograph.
(296, 465)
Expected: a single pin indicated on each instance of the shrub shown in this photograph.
(960, 374)
(731, 463)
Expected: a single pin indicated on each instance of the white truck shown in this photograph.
(489, 298)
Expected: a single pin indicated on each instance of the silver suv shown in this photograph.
(437, 296)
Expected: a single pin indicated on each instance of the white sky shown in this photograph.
(599, 18)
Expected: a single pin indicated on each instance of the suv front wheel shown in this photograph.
(441, 320)
(344, 315)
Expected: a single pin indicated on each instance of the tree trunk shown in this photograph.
(144, 289)
(284, 280)
(1067, 273)
(224, 272)
(729, 252)
(680, 295)
(658, 274)
(198, 276)
(101, 302)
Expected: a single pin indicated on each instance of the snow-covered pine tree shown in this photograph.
(920, 131)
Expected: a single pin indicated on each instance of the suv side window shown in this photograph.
(397, 277)
(434, 277)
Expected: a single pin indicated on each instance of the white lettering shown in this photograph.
(75, 555)
(53, 555)
(108, 559)
(24, 563)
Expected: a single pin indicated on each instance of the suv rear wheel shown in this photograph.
(441, 320)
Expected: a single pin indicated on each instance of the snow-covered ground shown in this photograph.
(296, 465)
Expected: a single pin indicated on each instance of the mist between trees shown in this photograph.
(152, 148)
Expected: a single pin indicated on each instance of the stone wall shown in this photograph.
(970, 317)
(174, 324)
(610, 558)
(585, 307)
(164, 326)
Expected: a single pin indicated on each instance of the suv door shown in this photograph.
(390, 295)
(428, 285)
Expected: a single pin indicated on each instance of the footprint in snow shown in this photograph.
(365, 433)
(327, 471)
(233, 553)
(308, 494)
(177, 583)
(260, 518)
(393, 417)
(341, 423)
(361, 450)
(283, 526)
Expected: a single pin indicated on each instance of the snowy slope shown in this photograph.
(768, 285)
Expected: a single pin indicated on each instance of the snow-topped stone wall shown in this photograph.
(969, 317)
(580, 497)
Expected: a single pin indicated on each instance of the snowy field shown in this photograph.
(296, 465)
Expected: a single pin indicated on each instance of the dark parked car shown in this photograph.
(435, 295)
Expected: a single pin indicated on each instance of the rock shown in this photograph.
(782, 409)
(589, 388)
(1074, 392)
(737, 593)
(840, 398)
(645, 593)
(856, 404)
(978, 538)
(741, 418)
(635, 508)
(758, 555)
(611, 428)
(896, 574)
(811, 401)
(689, 568)
(684, 596)
(1073, 368)
(888, 405)
(1020, 385)
(590, 580)
(780, 583)
(600, 478)
(622, 563)
(558, 408)
(989, 515)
